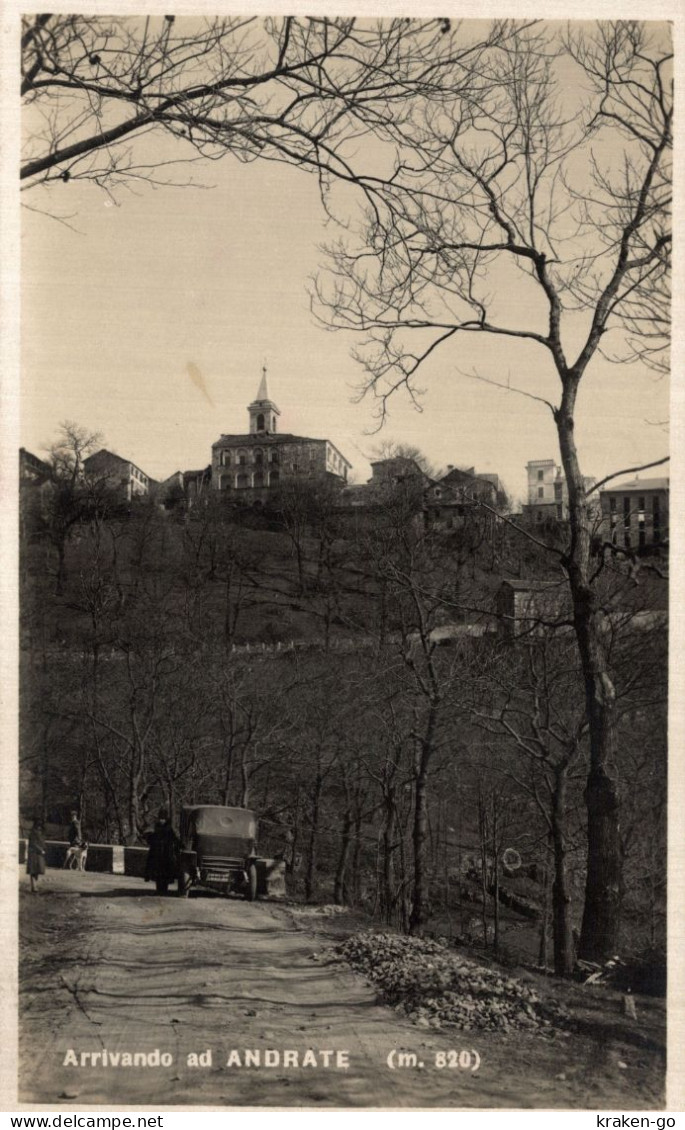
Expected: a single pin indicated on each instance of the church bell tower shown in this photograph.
(263, 412)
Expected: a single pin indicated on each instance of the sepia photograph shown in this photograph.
(343, 495)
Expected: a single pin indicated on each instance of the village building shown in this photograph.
(184, 488)
(458, 492)
(253, 463)
(125, 477)
(532, 608)
(397, 472)
(32, 469)
(35, 487)
(635, 513)
(548, 491)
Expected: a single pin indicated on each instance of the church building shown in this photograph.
(263, 459)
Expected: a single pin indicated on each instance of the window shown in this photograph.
(541, 492)
(241, 481)
(557, 490)
(626, 513)
(273, 477)
(258, 480)
(656, 519)
(541, 475)
(260, 422)
(274, 457)
(612, 504)
(641, 504)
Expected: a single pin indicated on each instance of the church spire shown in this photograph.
(263, 412)
(263, 392)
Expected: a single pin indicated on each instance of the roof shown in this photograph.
(108, 454)
(271, 438)
(103, 454)
(457, 476)
(264, 437)
(637, 485)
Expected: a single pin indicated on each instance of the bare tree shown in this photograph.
(295, 90)
(531, 698)
(71, 496)
(550, 172)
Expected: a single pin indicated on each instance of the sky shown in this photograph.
(149, 319)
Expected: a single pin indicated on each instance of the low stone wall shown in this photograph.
(116, 860)
(134, 861)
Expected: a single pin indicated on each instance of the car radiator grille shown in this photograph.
(220, 865)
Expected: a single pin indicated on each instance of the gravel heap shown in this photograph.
(437, 988)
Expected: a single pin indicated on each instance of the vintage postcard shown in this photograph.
(344, 534)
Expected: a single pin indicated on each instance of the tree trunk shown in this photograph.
(387, 887)
(424, 749)
(61, 569)
(495, 878)
(483, 835)
(340, 885)
(228, 767)
(544, 923)
(600, 929)
(561, 898)
(313, 833)
(356, 859)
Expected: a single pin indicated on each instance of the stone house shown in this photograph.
(125, 477)
(548, 491)
(451, 498)
(184, 488)
(635, 514)
(531, 608)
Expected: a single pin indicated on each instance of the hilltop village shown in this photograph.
(253, 467)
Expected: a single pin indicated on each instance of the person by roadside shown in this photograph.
(162, 859)
(76, 842)
(35, 859)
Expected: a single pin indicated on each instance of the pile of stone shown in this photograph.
(437, 988)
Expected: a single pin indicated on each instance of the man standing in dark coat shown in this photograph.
(162, 859)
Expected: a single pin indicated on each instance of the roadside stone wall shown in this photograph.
(116, 860)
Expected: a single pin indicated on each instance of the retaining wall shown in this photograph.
(117, 860)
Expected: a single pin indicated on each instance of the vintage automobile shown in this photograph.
(218, 850)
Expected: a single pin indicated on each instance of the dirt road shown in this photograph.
(225, 1003)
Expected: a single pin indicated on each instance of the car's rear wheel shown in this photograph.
(251, 890)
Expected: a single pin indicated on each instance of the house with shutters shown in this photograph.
(635, 513)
